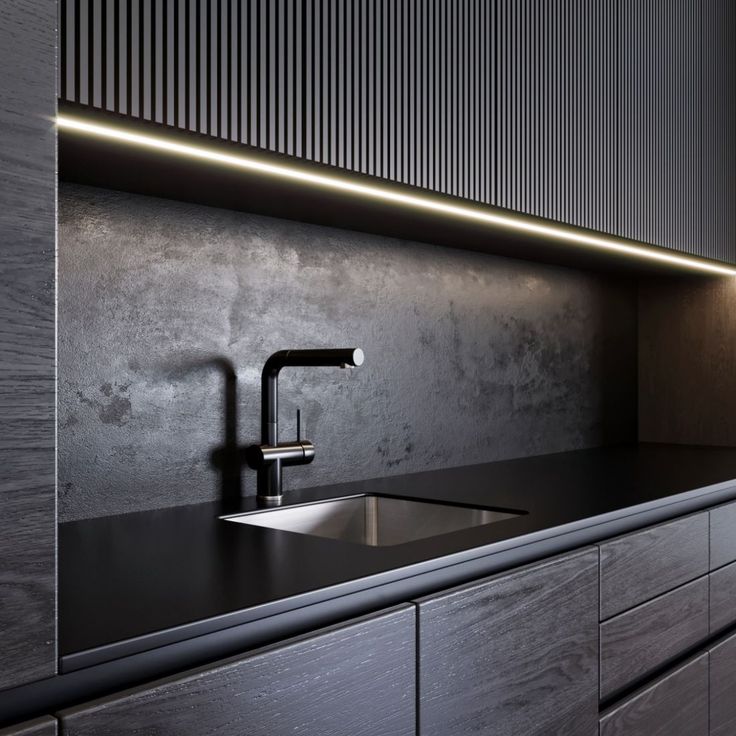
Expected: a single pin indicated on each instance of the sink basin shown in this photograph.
(378, 521)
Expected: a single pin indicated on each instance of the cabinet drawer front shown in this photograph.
(723, 688)
(638, 567)
(722, 598)
(40, 727)
(637, 642)
(513, 654)
(675, 705)
(722, 536)
(356, 679)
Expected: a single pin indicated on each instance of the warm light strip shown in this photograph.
(376, 192)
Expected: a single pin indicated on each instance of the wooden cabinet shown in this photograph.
(516, 653)
(27, 341)
(356, 679)
(640, 566)
(637, 642)
(659, 93)
(722, 535)
(722, 598)
(718, 116)
(723, 688)
(39, 727)
(618, 117)
(674, 705)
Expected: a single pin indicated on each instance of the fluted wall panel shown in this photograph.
(588, 112)
(719, 129)
(660, 133)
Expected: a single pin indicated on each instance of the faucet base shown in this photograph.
(270, 500)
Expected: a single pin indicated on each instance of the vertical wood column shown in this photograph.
(27, 341)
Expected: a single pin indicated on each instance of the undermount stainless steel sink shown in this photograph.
(378, 521)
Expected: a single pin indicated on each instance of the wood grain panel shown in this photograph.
(27, 340)
(674, 705)
(45, 726)
(722, 598)
(687, 394)
(515, 653)
(723, 688)
(356, 679)
(722, 536)
(640, 566)
(636, 643)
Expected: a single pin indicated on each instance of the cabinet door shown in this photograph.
(356, 679)
(555, 110)
(659, 117)
(27, 341)
(39, 727)
(723, 688)
(719, 129)
(516, 653)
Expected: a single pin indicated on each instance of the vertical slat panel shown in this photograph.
(589, 112)
(718, 106)
(659, 90)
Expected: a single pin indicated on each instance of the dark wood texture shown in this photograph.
(27, 340)
(722, 535)
(45, 726)
(640, 566)
(582, 111)
(674, 705)
(723, 688)
(356, 679)
(513, 654)
(636, 643)
(722, 598)
(687, 394)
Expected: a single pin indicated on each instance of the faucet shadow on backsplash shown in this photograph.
(228, 458)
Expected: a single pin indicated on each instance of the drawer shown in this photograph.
(722, 535)
(723, 688)
(45, 726)
(722, 598)
(640, 641)
(640, 566)
(674, 705)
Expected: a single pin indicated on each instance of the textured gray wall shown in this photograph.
(469, 358)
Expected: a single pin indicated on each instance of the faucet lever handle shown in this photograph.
(298, 425)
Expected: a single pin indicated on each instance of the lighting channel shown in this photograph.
(337, 183)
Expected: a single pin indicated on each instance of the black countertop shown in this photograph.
(138, 581)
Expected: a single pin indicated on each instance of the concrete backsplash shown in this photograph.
(167, 312)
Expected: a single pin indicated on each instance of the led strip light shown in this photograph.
(376, 192)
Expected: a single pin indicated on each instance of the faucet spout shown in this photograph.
(332, 357)
(270, 456)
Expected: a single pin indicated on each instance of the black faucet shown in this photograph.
(271, 456)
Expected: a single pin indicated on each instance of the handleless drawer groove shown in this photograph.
(638, 567)
(674, 705)
(635, 644)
